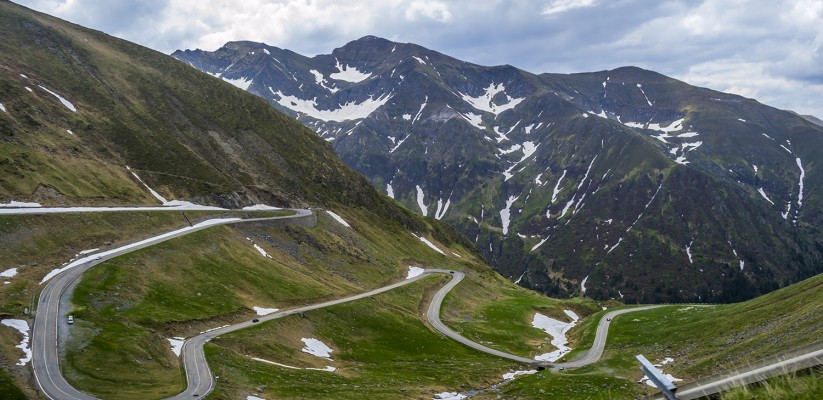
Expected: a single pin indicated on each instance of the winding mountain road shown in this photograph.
(592, 355)
(45, 358)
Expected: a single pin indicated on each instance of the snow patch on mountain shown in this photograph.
(242, 83)
(567, 207)
(22, 327)
(528, 148)
(420, 112)
(537, 246)
(65, 102)
(421, 201)
(321, 80)
(264, 310)
(515, 147)
(557, 188)
(441, 209)
(474, 119)
(639, 86)
(349, 111)
(414, 271)
(316, 348)
(20, 204)
(484, 102)
(176, 345)
(674, 126)
(800, 185)
(338, 219)
(689, 252)
(348, 73)
(398, 144)
(557, 330)
(582, 181)
(259, 249)
(152, 191)
(429, 243)
(505, 214)
(763, 193)
(785, 215)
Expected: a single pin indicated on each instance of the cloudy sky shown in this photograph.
(770, 50)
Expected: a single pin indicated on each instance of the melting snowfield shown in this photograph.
(348, 73)
(350, 111)
(484, 101)
(65, 102)
(261, 207)
(327, 369)
(338, 219)
(450, 396)
(414, 271)
(430, 244)
(9, 273)
(421, 202)
(316, 348)
(176, 345)
(264, 311)
(261, 250)
(511, 375)
(505, 214)
(557, 330)
(20, 204)
(22, 327)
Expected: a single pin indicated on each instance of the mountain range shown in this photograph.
(619, 184)
(540, 171)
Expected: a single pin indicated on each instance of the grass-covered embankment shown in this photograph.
(126, 307)
(382, 349)
(703, 340)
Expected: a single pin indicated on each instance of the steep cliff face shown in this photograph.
(647, 188)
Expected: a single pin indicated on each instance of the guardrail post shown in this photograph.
(656, 376)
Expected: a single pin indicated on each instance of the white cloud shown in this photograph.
(561, 6)
(753, 80)
(433, 10)
(713, 43)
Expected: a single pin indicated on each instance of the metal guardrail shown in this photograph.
(758, 377)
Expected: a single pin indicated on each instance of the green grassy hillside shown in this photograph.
(125, 308)
(702, 340)
(185, 133)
